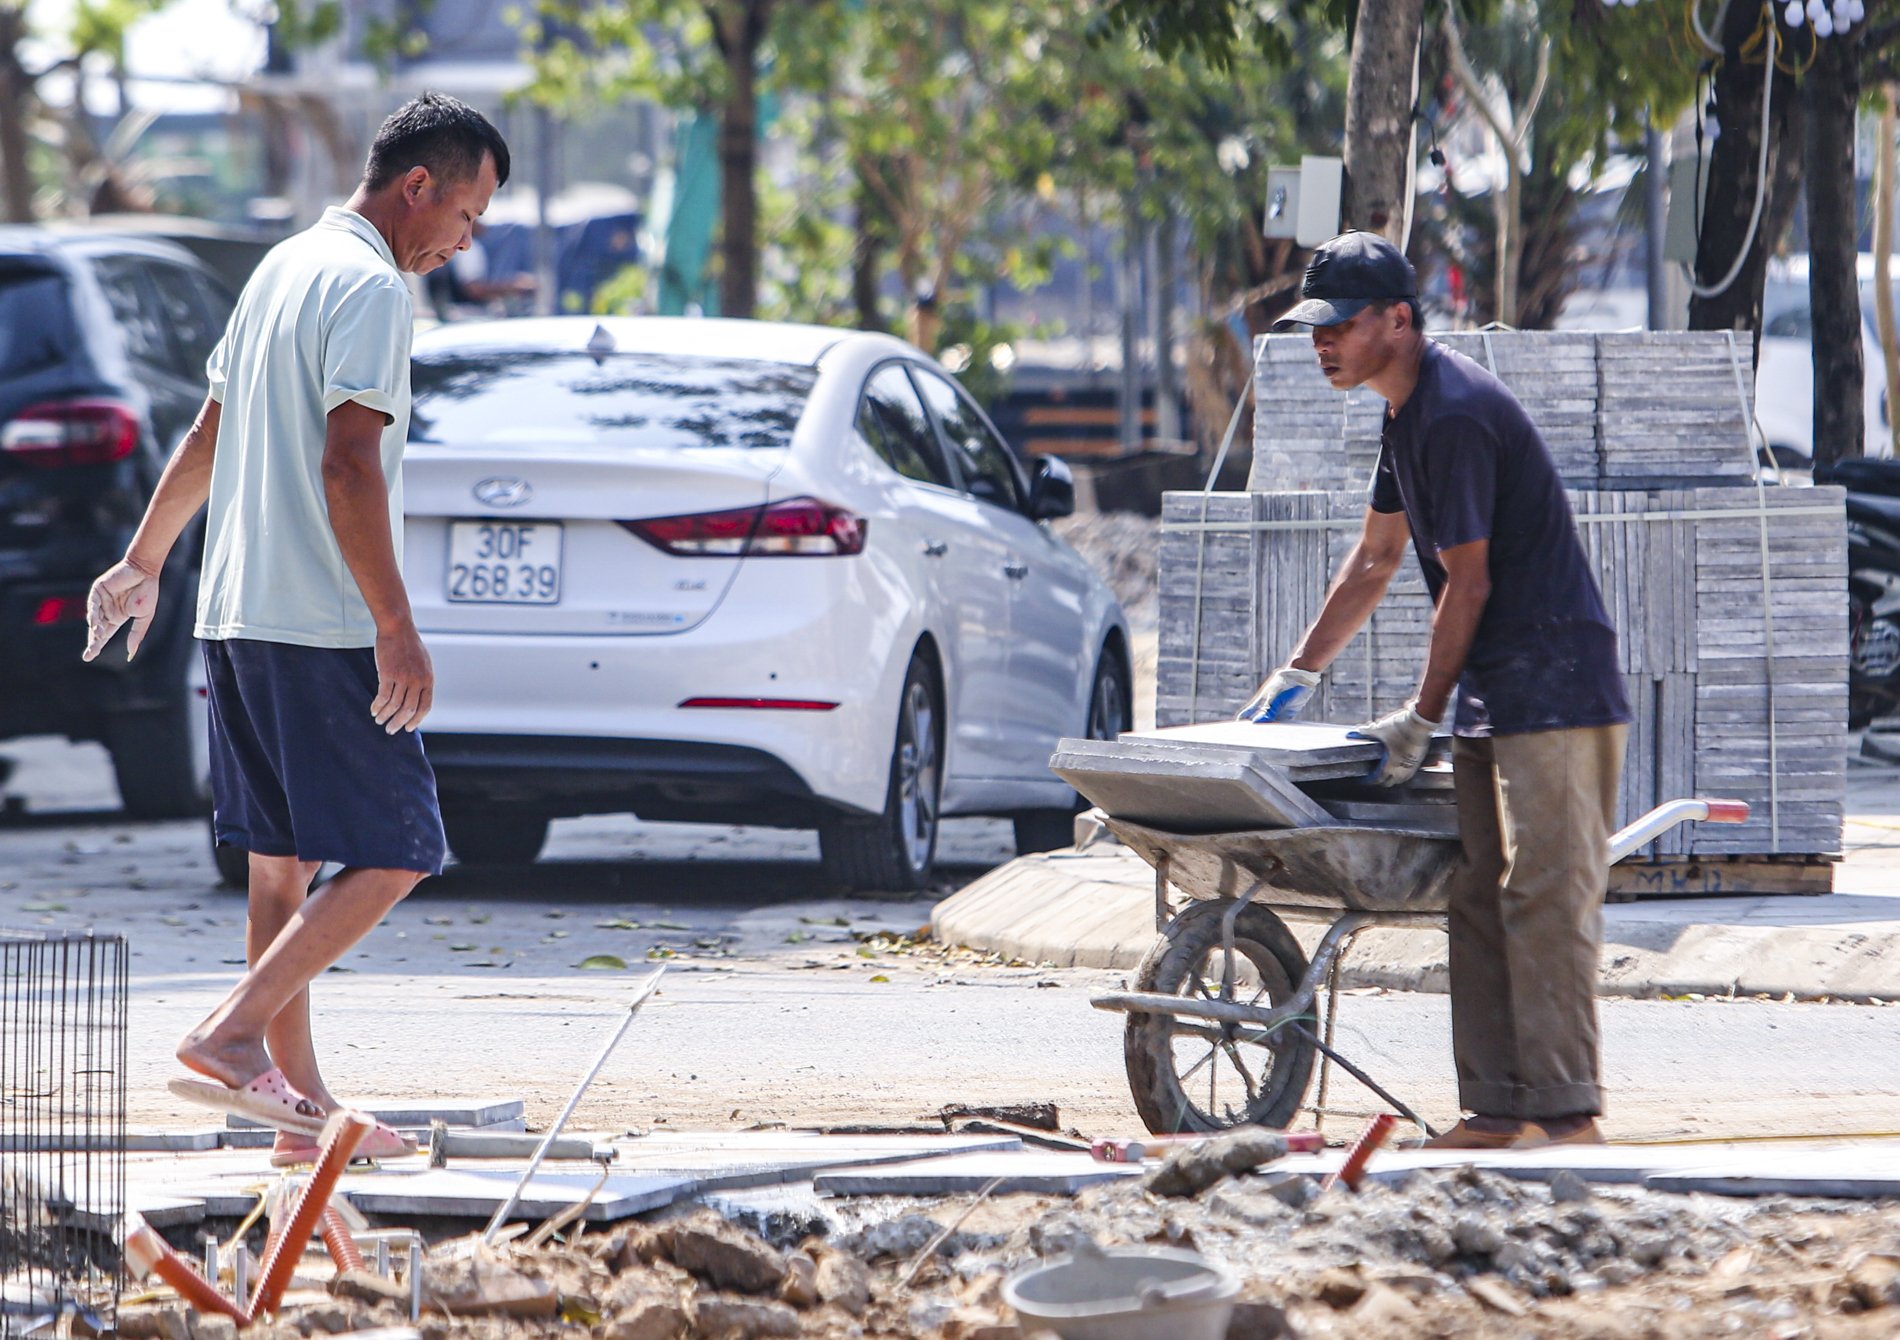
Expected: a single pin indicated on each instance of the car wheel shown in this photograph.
(234, 864)
(894, 851)
(154, 762)
(494, 837)
(1052, 830)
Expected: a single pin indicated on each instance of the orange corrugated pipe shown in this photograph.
(1353, 1170)
(341, 1135)
(336, 1236)
(148, 1254)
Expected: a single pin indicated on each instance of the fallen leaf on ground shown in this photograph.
(607, 962)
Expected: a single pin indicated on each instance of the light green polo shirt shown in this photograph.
(325, 319)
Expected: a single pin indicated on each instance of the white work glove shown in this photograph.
(1281, 697)
(1407, 737)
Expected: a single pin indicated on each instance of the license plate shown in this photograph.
(504, 562)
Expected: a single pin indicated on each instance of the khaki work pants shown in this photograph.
(1526, 918)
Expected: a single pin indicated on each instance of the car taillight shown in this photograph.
(797, 527)
(71, 432)
(59, 609)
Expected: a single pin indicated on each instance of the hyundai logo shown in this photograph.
(503, 491)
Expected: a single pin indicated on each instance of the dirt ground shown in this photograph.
(1461, 1252)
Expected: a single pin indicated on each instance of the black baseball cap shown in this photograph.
(1346, 276)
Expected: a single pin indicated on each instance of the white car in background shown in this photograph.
(741, 572)
(1784, 373)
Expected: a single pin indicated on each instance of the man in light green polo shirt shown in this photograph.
(317, 676)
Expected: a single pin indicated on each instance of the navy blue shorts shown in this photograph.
(300, 768)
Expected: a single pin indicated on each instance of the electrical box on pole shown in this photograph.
(1303, 202)
(1688, 187)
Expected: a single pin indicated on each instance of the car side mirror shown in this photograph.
(1052, 493)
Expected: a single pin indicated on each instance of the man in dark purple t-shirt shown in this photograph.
(1521, 639)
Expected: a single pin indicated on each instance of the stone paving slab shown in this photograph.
(728, 1162)
(470, 1194)
(1849, 1173)
(136, 1141)
(1032, 1170)
(477, 1112)
(648, 1173)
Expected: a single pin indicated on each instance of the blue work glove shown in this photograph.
(1281, 697)
(1407, 738)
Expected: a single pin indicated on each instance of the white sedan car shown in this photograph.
(741, 572)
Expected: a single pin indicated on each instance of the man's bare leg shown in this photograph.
(279, 886)
(230, 1045)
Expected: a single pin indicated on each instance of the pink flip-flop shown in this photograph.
(381, 1143)
(268, 1100)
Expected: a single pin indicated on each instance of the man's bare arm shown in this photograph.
(1454, 623)
(1356, 591)
(357, 492)
(129, 588)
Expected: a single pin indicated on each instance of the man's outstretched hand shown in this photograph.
(124, 591)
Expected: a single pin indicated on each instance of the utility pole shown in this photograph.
(1655, 225)
(1128, 298)
(546, 297)
(1161, 325)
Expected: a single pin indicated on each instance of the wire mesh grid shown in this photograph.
(62, 1129)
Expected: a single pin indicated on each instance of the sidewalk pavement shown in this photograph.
(1096, 909)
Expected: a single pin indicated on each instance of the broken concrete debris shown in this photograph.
(1443, 1251)
(1192, 1168)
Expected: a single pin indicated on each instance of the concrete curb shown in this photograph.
(1095, 909)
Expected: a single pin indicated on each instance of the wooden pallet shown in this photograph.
(1719, 877)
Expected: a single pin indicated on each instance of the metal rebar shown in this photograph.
(580, 1090)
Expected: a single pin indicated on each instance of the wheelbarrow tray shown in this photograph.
(1341, 868)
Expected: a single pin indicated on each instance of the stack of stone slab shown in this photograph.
(1234, 776)
(1727, 599)
(1625, 409)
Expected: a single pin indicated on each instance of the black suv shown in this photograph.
(103, 342)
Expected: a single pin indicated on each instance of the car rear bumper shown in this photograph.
(656, 779)
(795, 632)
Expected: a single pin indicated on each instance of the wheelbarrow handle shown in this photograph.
(1666, 816)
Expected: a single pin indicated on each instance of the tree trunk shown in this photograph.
(1732, 182)
(867, 256)
(1832, 92)
(740, 26)
(1883, 264)
(1510, 247)
(16, 105)
(1547, 256)
(1379, 115)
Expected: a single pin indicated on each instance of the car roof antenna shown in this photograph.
(600, 343)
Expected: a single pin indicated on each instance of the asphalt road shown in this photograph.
(773, 1010)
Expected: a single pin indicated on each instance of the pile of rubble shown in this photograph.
(1455, 1252)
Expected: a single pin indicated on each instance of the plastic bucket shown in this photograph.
(1126, 1293)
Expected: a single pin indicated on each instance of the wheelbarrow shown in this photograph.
(1227, 995)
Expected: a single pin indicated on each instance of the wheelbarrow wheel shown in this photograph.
(1199, 1075)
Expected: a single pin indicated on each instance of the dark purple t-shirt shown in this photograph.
(1463, 461)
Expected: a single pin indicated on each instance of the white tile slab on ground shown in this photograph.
(1033, 1170)
(449, 1111)
(136, 1141)
(1853, 1173)
(731, 1160)
(466, 1194)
